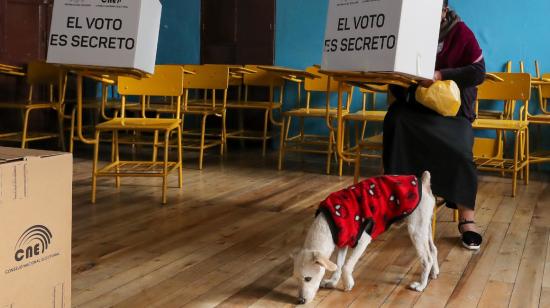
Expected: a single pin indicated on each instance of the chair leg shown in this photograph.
(60, 120)
(329, 152)
(264, 144)
(71, 140)
(117, 159)
(155, 144)
(224, 134)
(357, 171)
(515, 173)
(527, 156)
(282, 141)
(25, 129)
(201, 150)
(165, 169)
(364, 128)
(94, 166)
(521, 155)
(180, 159)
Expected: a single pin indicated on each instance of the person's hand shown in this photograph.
(426, 83)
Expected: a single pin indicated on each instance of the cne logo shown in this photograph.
(33, 242)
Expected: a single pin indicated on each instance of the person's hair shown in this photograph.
(445, 3)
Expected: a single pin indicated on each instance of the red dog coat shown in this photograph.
(372, 206)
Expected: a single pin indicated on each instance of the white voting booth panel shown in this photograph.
(114, 33)
(383, 36)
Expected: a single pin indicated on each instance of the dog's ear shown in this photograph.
(324, 262)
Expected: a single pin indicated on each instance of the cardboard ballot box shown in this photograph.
(114, 33)
(382, 36)
(35, 224)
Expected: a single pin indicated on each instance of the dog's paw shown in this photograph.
(434, 273)
(329, 283)
(417, 286)
(349, 283)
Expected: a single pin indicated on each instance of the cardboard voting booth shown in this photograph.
(113, 33)
(35, 215)
(382, 36)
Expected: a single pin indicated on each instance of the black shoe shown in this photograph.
(470, 239)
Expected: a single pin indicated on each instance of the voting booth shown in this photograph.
(382, 36)
(112, 33)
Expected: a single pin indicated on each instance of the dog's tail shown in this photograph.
(427, 180)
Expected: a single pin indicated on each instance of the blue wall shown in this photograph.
(179, 38)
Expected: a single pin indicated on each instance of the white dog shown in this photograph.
(311, 262)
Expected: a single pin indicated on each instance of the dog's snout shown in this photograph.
(301, 300)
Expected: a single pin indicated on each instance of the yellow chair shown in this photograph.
(207, 78)
(166, 82)
(54, 79)
(513, 87)
(96, 106)
(509, 106)
(259, 79)
(494, 147)
(542, 118)
(314, 143)
(363, 116)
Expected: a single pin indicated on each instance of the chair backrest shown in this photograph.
(262, 78)
(235, 79)
(320, 84)
(42, 73)
(208, 77)
(513, 87)
(166, 81)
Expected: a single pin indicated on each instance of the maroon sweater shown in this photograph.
(370, 206)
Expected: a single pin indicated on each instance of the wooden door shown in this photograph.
(24, 28)
(237, 31)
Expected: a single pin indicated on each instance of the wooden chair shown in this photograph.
(364, 116)
(98, 107)
(494, 147)
(313, 143)
(542, 118)
(262, 79)
(513, 87)
(499, 113)
(207, 78)
(55, 80)
(166, 82)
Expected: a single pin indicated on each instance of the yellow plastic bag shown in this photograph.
(442, 96)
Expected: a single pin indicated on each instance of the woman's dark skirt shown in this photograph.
(418, 139)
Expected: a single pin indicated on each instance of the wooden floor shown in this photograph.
(225, 238)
